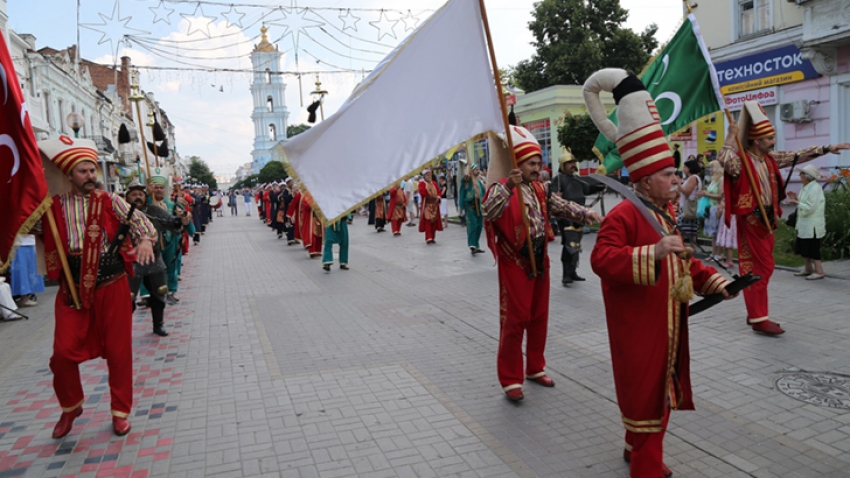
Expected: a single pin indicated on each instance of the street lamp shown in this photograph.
(136, 97)
(319, 95)
(74, 121)
(152, 123)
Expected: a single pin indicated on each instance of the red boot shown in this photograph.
(120, 426)
(768, 327)
(514, 394)
(66, 422)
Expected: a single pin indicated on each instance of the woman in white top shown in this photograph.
(811, 223)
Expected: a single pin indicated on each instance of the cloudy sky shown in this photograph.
(211, 110)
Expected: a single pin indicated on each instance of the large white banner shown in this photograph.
(434, 91)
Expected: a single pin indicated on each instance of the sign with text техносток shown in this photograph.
(764, 69)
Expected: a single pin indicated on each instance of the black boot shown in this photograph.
(157, 312)
(573, 267)
(569, 270)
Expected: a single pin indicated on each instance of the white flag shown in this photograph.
(434, 91)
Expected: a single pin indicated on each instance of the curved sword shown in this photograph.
(629, 195)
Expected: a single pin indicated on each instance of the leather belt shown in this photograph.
(770, 219)
(538, 245)
(110, 268)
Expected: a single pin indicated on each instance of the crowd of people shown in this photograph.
(107, 247)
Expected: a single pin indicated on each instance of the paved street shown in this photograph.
(277, 368)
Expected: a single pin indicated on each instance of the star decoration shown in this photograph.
(198, 23)
(114, 29)
(295, 22)
(410, 21)
(348, 17)
(161, 13)
(233, 17)
(385, 26)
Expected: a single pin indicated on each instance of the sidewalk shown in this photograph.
(277, 368)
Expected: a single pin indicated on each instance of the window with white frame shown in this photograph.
(754, 17)
(62, 117)
(48, 111)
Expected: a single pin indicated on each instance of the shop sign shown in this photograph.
(764, 96)
(769, 68)
(686, 134)
(541, 124)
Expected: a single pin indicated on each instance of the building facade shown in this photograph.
(56, 83)
(542, 113)
(268, 90)
(791, 56)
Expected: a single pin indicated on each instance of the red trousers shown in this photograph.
(105, 330)
(315, 247)
(755, 254)
(524, 309)
(396, 224)
(647, 451)
(430, 229)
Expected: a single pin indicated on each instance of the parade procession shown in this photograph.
(318, 239)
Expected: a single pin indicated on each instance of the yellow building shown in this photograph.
(542, 112)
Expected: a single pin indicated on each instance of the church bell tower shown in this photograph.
(270, 115)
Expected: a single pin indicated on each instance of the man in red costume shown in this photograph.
(308, 228)
(398, 209)
(637, 265)
(755, 234)
(523, 292)
(267, 204)
(88, 220)
(429, 216)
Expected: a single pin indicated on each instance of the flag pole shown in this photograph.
(504, 106)
(60, 248)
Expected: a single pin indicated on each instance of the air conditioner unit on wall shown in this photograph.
(795, 112)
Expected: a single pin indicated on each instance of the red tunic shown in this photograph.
(398, 205)
(307, 227)
(755, 241)
(429, 209)
(523, 299)
(647, 330)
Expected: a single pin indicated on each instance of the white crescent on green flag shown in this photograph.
(406, 113)
(682, 81)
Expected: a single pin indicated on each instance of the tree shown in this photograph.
(575, 38)
(579, 134)
(296, 129)
(247, 182)
(272, 171)
(200, 172)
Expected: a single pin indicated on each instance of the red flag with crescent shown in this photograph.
(23, 187)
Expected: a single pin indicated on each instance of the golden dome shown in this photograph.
(264, 45)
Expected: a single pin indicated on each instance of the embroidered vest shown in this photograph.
(741, 199)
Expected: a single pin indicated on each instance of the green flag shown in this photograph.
(682, 81)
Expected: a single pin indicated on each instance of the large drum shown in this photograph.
(215, 202)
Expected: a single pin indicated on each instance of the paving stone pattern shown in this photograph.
(277, 368)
